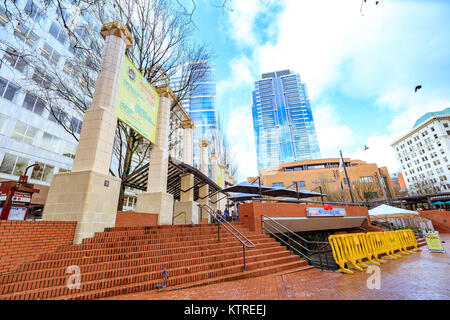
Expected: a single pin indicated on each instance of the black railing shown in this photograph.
(315, 252)
(246, 243)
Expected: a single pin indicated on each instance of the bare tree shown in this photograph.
(162, 48)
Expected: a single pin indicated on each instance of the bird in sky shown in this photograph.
(366, 147)
(417, 88)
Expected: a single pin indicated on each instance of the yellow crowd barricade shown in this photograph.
(393, 244)
(403, 237)
(378, 245)
(411, 240)
(339, 253)
(350, 250)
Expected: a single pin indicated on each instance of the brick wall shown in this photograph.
(24, 241)
(250, 213)
(134, 219)
(439, 218)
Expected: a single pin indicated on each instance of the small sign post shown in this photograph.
(434, 242)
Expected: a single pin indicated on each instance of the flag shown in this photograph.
(341, 164)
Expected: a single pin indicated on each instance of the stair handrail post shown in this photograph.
(243, 255)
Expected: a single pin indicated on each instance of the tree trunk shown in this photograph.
(126, 170)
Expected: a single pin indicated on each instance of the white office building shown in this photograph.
(29, 132)
(423, 154)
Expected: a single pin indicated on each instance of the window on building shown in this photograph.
(75, 125)
(445, 125)
(35, 104)
(50, 142)
(26, 35)
(34, 12)
(23, 132)
(4, 19)
(278, 184)
(50, 54)
(57, 115)
(58, 33)
(42, 79)
(69, 149)
(8, 90)
(12, 57)
(13, 164)
(299, 184)
(45, 172)
(368, 179)
(68, 68)
(371, 195)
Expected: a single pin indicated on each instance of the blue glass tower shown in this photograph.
(200, 105)
(282, 120)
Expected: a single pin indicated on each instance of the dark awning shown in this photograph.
(138, 179)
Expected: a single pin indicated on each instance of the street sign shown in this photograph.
(434, 242)
(321, 212)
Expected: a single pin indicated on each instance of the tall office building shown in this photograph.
(423, 154)
(282, 120)
(200, 104)
(29, 131)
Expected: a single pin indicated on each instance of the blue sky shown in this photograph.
(360, 67)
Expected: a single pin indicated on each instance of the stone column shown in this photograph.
(89, 194)
(186, 210)
(221, 183)
(156, 199)
(214, 168)
(203, 191)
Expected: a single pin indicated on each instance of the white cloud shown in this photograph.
(242, 19)
(379, 151)
(240, 134)
(241, 75)
(332, 134)
(377, 57)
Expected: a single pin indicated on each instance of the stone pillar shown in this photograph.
(186, 210)
(221, 202)
(203, 191)
(88, 194)
(224, 180)
(156, 199)
(214, 176)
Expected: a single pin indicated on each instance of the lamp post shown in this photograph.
(24, 178)
(346, 176)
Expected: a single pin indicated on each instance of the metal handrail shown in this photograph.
(321, 245)
(246, 243)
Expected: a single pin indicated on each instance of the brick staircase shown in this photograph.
(124, 260)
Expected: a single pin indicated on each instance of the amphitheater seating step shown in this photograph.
(124, 260)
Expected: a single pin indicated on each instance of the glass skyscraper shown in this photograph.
(200, 105)
(282, 120)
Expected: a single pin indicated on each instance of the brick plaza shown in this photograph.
(420, 276)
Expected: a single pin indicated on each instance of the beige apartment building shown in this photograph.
(367, 181)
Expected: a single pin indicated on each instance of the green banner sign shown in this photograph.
(138, 101)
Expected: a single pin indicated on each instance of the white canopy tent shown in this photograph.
(385, 211)
(399, 217)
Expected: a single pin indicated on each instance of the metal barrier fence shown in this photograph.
(356, 250)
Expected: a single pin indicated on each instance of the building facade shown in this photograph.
(282, 120)
(367, 181)
(29, 130)
(423, 154)
(200, 104)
